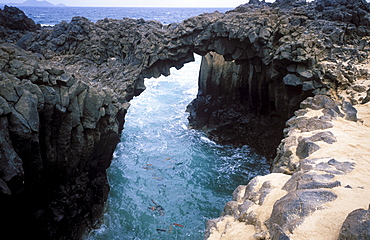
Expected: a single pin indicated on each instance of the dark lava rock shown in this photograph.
(15, 19)
(65, 95)
(57, 137)
(326, 136)
(356, 226)
(277, 233)
(367, 98)
(305, 148)
(289, 211)
(350, 111)
(329, 165)
(308, 124)
(310, 180)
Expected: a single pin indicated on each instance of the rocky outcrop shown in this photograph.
(234, 107)
(14, 23)
(356, 225)
(318, 167)
(327, 182)
(57, 138)
(278, 55)
(65, 90)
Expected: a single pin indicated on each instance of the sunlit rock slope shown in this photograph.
(65, 90)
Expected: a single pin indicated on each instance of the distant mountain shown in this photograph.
(35, 3)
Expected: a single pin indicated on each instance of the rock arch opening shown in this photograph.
(159, 157)
(80, 76)
(242, 103)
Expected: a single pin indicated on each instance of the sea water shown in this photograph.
(167, 180)
(159, 161)
(54, 15)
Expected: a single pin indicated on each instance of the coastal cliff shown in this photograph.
(291, 64)
(57, 137)
(318, 188)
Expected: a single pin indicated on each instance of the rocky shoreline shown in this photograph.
(327, 195)
(64, 92)
(318, 188)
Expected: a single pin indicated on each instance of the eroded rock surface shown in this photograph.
(322, 164)
(277, 55)
(326, 185)
(57, 138)
(64, 92)
(356, 225)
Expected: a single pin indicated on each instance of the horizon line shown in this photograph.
(56, 5)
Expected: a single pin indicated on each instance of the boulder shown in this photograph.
(15, 19)
(292, 80)
(289, 211)
(349, 111)
(356, 226)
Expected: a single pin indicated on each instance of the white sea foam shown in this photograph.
(158, 157)
(207, 140)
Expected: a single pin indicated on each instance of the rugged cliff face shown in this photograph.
(65, 90)
(324, 148)
(57, 137)
(242, 104)
(274, 57)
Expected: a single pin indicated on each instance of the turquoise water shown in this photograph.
(159, 161)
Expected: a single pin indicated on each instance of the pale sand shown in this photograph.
(229, 228)
(353, 144)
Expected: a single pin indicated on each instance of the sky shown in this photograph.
(146, 3)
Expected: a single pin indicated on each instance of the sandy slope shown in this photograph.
(352, 145)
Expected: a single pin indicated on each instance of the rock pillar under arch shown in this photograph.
(243, 103)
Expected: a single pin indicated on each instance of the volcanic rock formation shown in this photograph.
(65, 90)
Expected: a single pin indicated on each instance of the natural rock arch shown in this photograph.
(80, 76)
